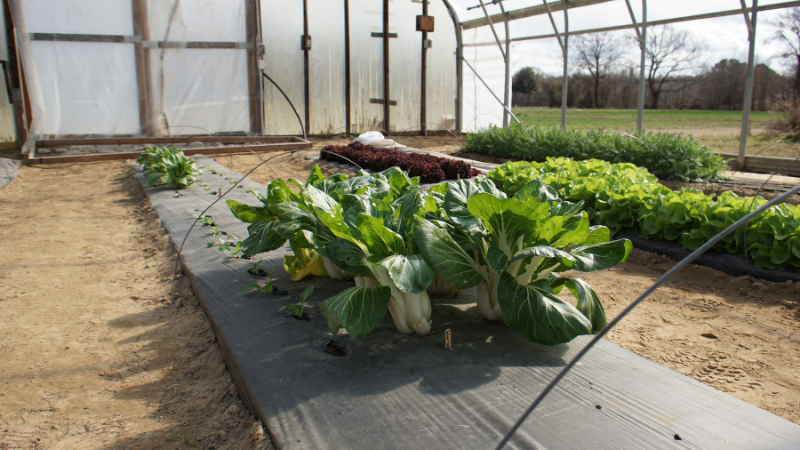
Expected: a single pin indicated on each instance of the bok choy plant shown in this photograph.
(512, 250)
(286, 215)
(375, 241)
(168, 166)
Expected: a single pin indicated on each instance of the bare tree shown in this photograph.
(788, 32)
(670, 53)
(597, 53)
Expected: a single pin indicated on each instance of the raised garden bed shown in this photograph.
(430, 169)
(391, 389)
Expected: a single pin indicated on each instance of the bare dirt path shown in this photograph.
(100, 346)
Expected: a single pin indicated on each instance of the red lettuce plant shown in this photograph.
(430, 169)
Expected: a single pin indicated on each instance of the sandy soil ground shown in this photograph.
(101, 347)
(739, 336)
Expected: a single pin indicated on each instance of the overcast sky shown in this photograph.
(724, 37)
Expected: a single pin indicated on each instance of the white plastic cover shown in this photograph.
(79, 87)
(282, 26)
(281, 29)
(198, 90)
(481, 108)
(327, 66)
(441, 94)
(366, 64)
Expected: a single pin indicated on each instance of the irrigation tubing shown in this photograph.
(302, 127)
(233, 186)
(675, 269)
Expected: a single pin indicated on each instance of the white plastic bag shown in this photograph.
(364, 138)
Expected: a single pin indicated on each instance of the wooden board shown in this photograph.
(166, 140)
(263, 148)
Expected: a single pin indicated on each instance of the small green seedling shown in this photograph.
(235, 250)
(209, 244)
(183, 438)
(254, 270)
(297, 311)
(205, 220)
(215, 231)
(267, 288)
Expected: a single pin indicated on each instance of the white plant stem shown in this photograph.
(334, 271)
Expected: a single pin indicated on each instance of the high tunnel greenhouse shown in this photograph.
(283, 225)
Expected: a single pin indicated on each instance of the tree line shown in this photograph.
(674, 77)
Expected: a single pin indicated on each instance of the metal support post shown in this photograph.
(306, 70)
(347, 106)
(565, 52)
(507, 93)
(459, 66)
(386, 93)
(490, 90)
(642, 36)
(566, 68)
(748, 87)
(423, 86)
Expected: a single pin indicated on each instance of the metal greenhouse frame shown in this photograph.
(639, 26)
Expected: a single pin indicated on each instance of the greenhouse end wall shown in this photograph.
(96, 68)
(281, 28)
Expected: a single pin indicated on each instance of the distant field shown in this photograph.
(717, 129)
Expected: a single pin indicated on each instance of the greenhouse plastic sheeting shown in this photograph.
(9, 169)
(282, 25)
(396, 391)
(481, 108)
(81, 87)
(281, 28)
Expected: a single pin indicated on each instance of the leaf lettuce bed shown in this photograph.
(622, 197)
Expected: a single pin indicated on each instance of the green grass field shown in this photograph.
(718, 129)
